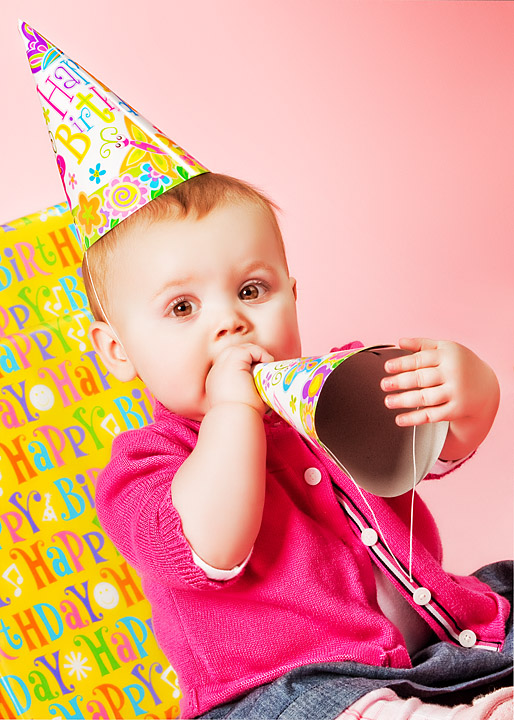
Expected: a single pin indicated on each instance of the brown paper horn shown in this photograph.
(336, 402)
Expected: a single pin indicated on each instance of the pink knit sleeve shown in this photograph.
(134, 506)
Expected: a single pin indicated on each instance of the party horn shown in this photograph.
(336, 402)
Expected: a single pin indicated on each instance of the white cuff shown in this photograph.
(441, 467)
(217, 574)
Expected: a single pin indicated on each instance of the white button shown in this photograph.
(467, 638)
(369, 537)
(312, 476)
(422, 596)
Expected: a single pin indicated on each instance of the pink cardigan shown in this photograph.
(308, 592)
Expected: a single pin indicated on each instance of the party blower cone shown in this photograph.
(336, 402)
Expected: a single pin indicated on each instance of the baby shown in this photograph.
(265, 596)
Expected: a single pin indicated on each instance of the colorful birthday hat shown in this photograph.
(111, 160)
(336, 402)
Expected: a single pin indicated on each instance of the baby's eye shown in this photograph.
(252, 291)
(182, 308)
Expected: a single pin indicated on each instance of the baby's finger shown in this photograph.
(405, 363)
(258, 353)
(424, 377)
(424, 397)
(417, 343)
(423, 416)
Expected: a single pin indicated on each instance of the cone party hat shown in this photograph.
(336, 402)
(111, 160)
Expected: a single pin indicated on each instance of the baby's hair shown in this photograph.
(199, 195)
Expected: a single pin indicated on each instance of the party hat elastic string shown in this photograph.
(414, 479)
(99, 302)
(414, 474)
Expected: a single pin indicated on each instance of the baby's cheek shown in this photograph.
(291, 340)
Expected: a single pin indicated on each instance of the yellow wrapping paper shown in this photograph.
(76, 636)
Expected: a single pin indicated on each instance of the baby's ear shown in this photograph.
(292, 282)
(107, 344)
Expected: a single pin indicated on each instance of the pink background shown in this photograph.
(384, 132)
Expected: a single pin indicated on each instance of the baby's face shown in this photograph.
(185, 289)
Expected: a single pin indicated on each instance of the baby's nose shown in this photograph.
(232, 323)
(237, 327)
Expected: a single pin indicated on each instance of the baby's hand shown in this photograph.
(230, 379)
(443, 381)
